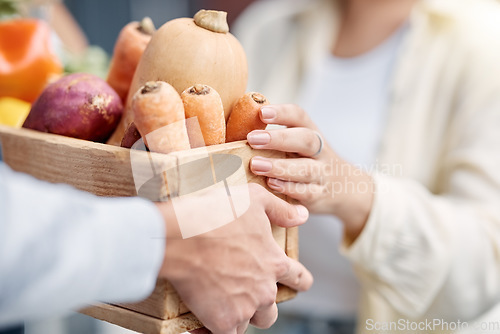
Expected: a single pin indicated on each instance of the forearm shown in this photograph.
(352, 192)
(61, 248)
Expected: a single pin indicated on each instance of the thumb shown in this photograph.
(297, 277)
(282, 213)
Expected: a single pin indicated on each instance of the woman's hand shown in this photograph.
(313, 174)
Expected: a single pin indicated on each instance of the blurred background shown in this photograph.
(86, 31)
(95, 23)
(102, 20)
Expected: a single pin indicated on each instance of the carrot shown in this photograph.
(129, 47)
(244, 116)
(159, 117)
(204, 102)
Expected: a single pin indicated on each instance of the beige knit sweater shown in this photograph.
(430, 252)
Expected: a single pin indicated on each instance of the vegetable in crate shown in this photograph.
(27, 61)
(245, 117)
(131, 136)
(129, 47)
(159, 117)
(78, 105)
(185, 52)
(13, 111)
(204, 103)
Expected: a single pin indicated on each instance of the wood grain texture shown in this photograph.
(140, 322)
(106, 170)
(292, 250)
(100, 169)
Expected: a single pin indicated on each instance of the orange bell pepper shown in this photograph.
(27, 61)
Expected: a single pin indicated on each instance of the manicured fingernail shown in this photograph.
(260, 164)
(274, 183)
(258, 138)
(302, 211)
(267, 113)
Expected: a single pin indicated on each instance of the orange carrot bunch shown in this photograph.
(171, 122)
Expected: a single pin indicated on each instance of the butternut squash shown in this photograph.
(188, 51)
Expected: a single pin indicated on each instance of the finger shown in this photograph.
(220, 325)
(290, 115)
(242, 328)
(302, 170)
(303, 192)
(282, 213)
(265, 317)
(215, 331)
(296, 277)
(303, 141)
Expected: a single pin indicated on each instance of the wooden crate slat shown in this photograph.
(140, 322)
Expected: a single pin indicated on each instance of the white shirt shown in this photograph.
(347, 99)
(429, 249)
(61, 248)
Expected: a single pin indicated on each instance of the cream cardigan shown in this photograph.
(431, 248)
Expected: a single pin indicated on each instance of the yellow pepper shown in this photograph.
(13, 112)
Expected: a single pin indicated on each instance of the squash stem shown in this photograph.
(212, 20)
(146, 26)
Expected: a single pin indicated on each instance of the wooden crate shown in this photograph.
(106, 170)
